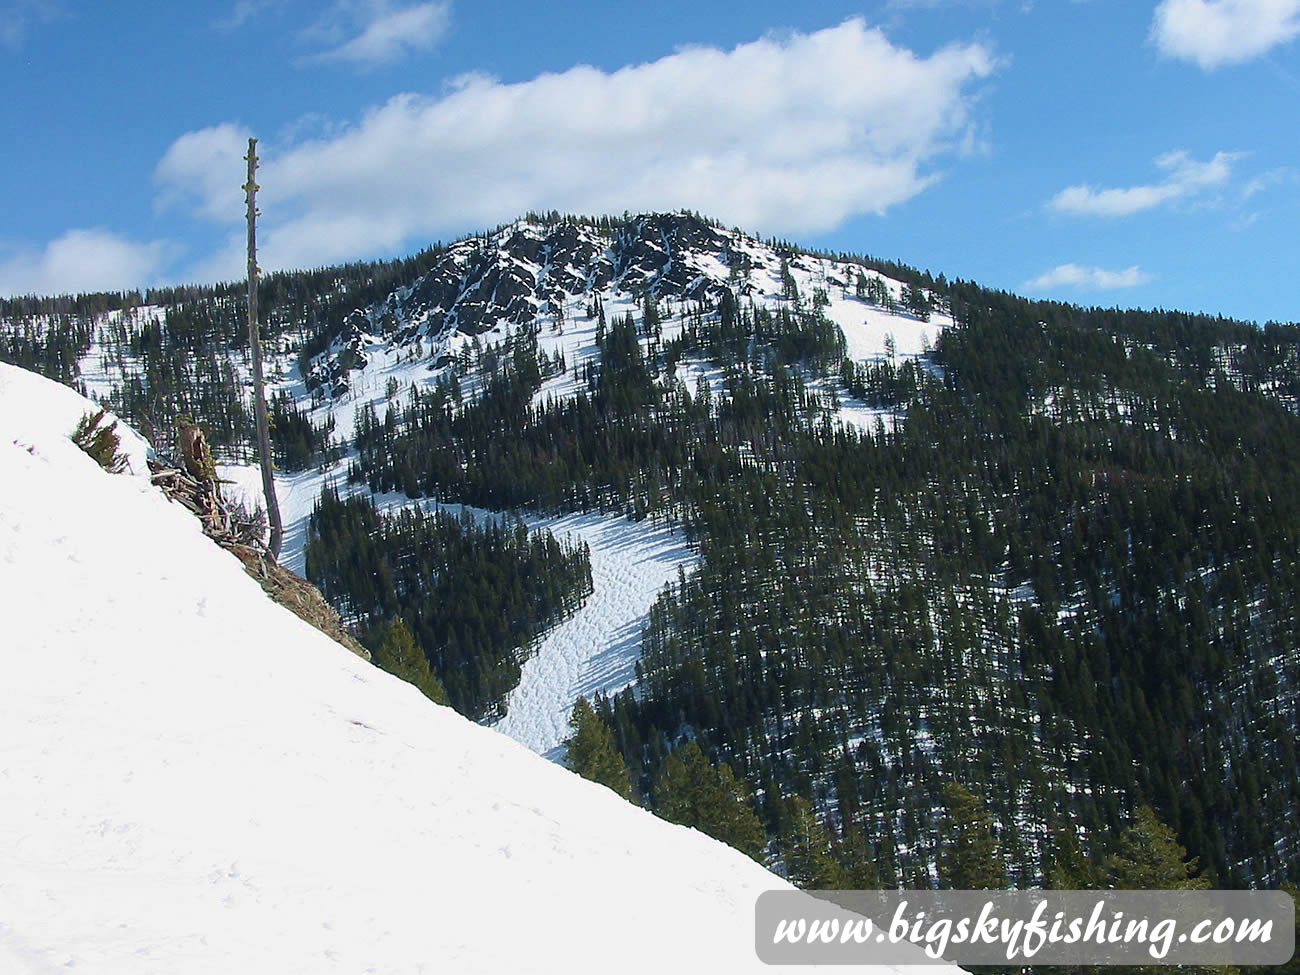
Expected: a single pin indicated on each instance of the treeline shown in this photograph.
(475, 597)
(51, 345)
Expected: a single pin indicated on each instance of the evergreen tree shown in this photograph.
(590, 750)
(970, 858)
(858, 862)
(1149, 857)
(101, 443)
(693, 792)
(809, 862)
(399, 654)
(1068, 867)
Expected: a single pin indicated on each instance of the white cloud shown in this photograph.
(1217, 32)
(1087, 278)
(1186, 177)
(369, 33)
(1281, 176)
(205, 168)
(82, 261)
(17, 16)
(784, 135)
(242, 12)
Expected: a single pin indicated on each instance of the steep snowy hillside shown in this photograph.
(192, 780)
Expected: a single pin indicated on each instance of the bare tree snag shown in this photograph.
(255, 346)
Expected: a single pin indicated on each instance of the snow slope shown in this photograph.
(192, 780)
(596, 650)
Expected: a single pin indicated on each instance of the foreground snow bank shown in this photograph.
(192, 780)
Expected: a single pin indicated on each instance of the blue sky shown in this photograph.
(1117, 152)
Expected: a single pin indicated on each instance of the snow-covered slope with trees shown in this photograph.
(560, 282)
(193, 780)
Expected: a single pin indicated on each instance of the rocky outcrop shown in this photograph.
(529, 269)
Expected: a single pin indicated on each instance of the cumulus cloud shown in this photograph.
(81, 261)
(1217, 32)
(1086, 278)
(200, 169)
(368, 33)
(1185, 177)
(782, 135)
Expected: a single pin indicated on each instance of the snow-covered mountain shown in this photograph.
(550, 276)
(557, 279)
(193, 780)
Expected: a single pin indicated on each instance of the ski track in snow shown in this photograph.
(594, 651)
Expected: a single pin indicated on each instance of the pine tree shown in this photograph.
(858, 862)
(970, 858)
(693, 792)
(590, 750)
(101, 443)
(399, 654)
(1150, 857)
(808, 860)
(1068, 867)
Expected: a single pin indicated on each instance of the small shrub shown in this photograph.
(101, 443)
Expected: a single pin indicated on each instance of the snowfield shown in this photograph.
(192, 780)
(595, 651)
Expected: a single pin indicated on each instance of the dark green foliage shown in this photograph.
(51, 344)
(917, 302)
(1149, 857)
(808, 851)
(1068, 866)
(858, 862)
(690, 790)
(475, 597)
(296, 441)
(101, 443)
(397, 652)
(590, 750)
(969, 857)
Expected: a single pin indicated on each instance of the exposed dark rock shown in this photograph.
(512, 277)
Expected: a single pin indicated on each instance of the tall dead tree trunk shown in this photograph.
(255, 345)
